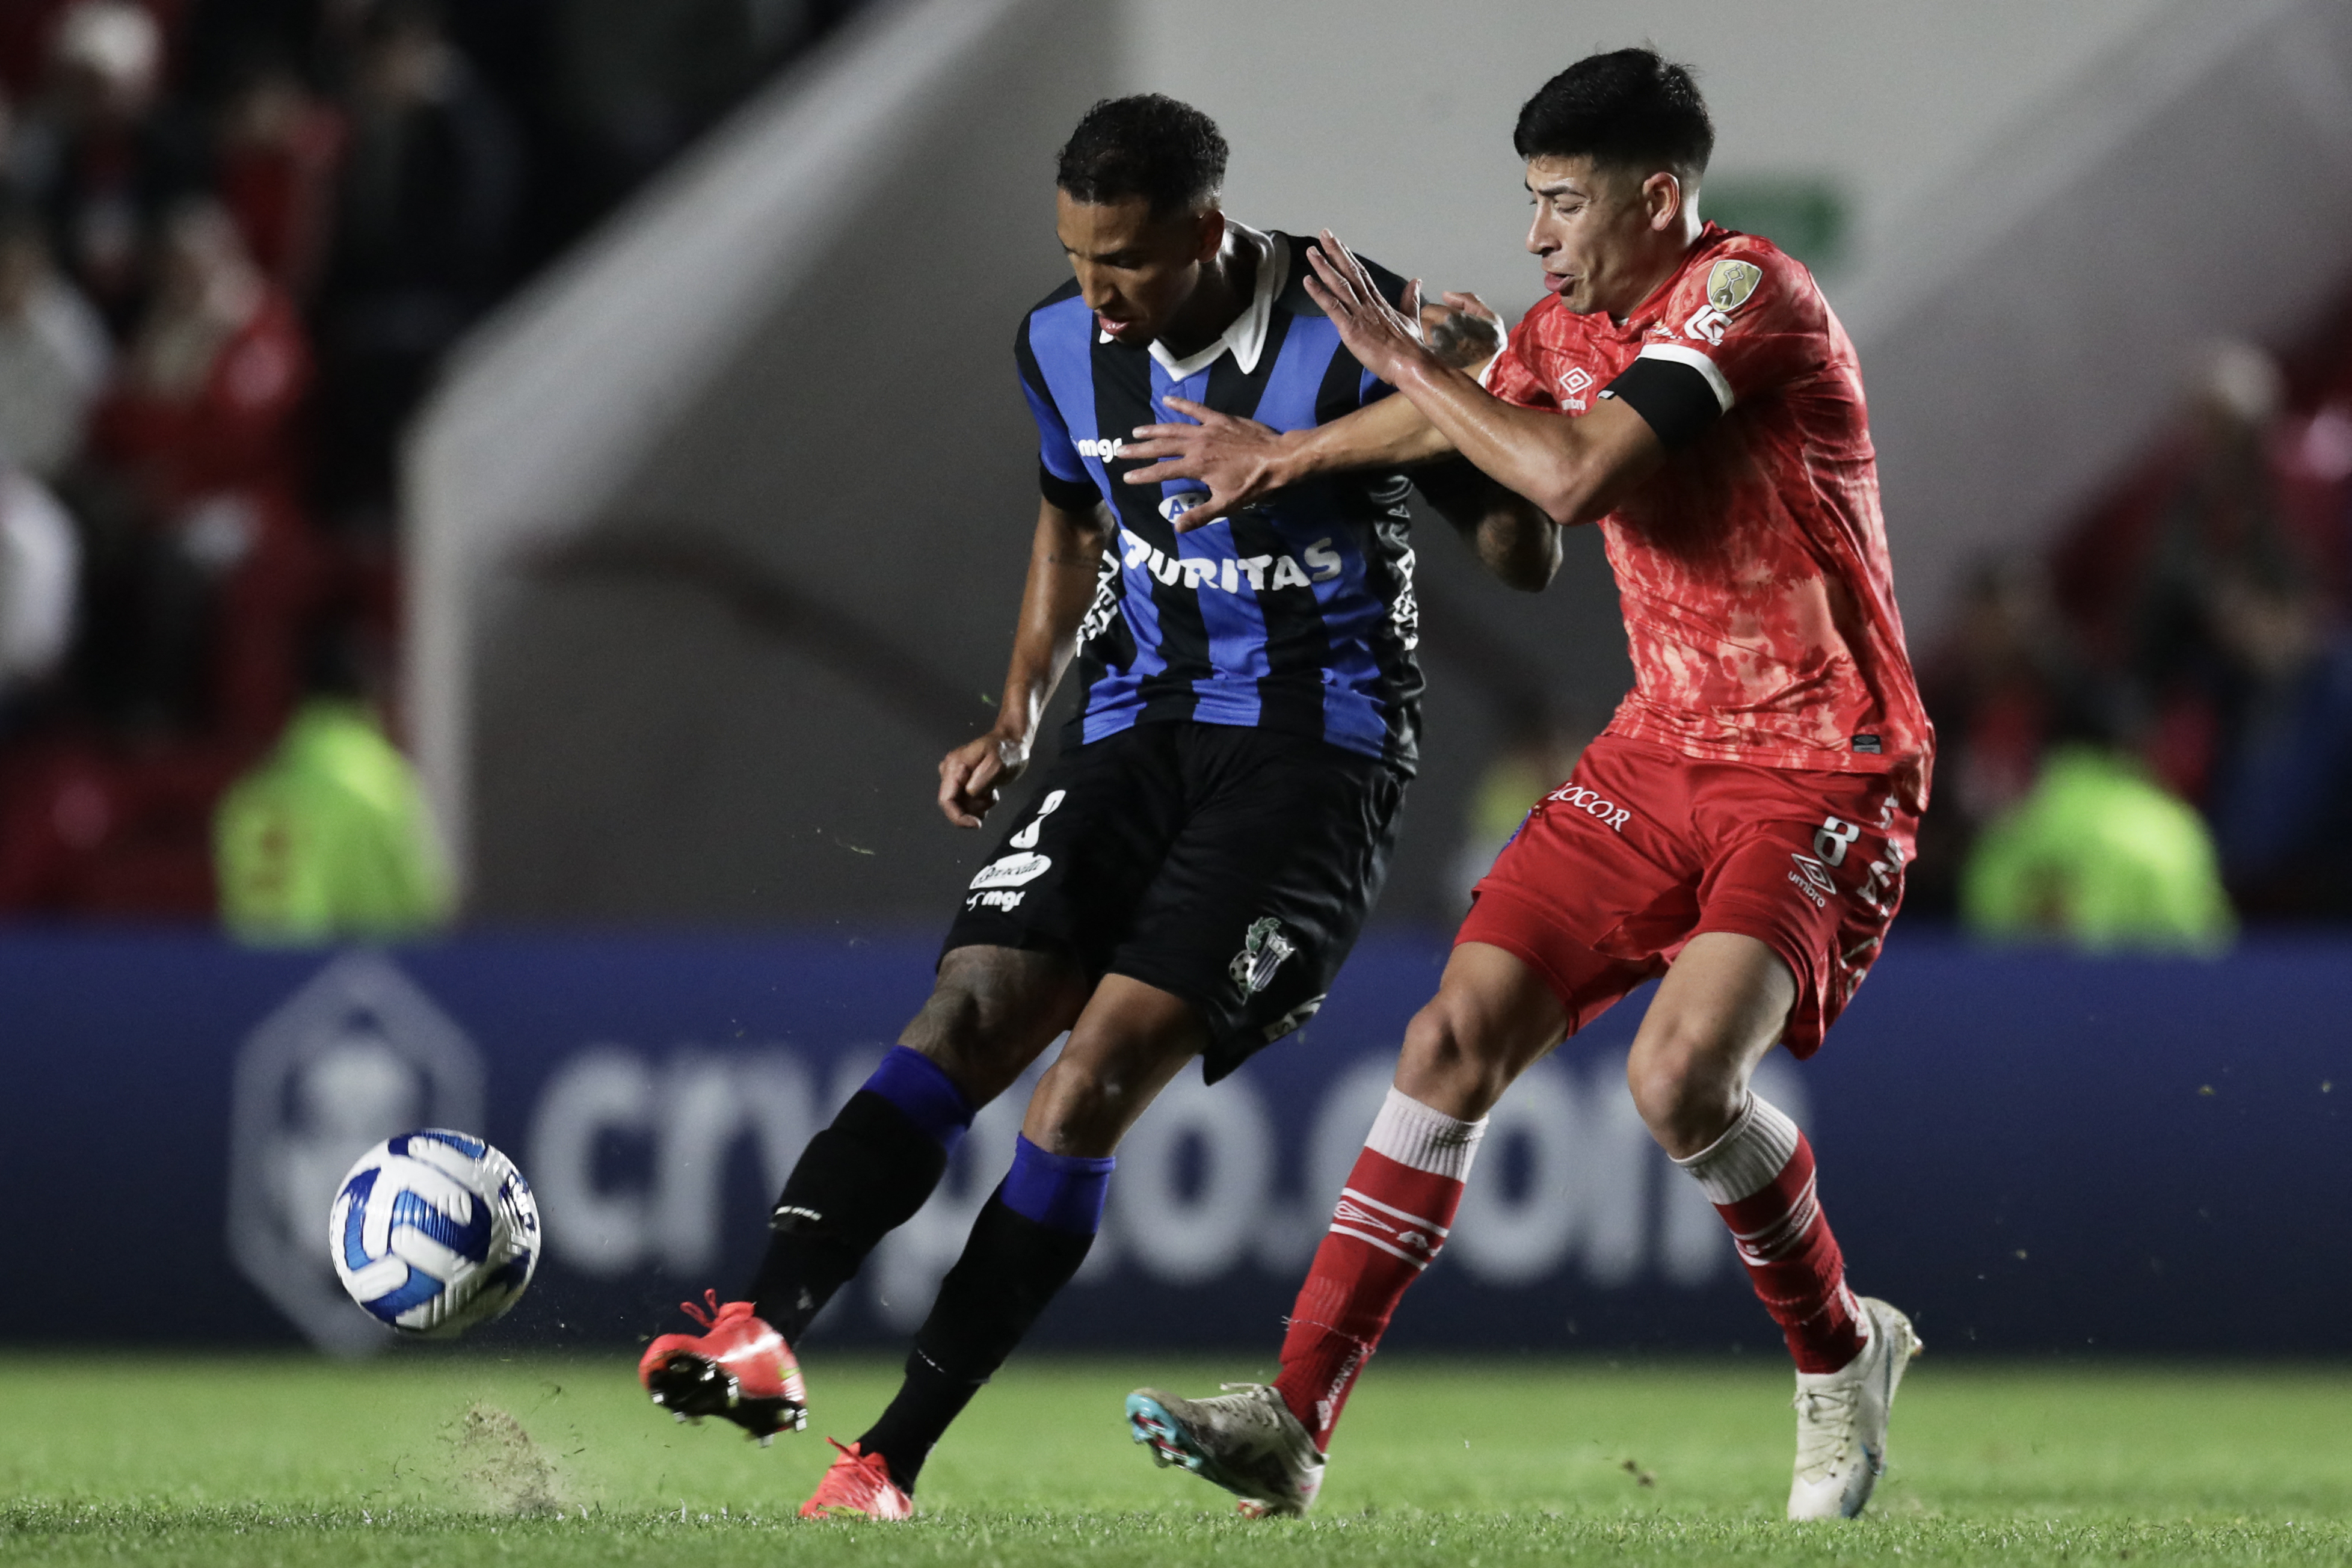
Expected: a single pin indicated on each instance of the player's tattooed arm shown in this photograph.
(1512, 538)
(1064, 560)
(1576, 470)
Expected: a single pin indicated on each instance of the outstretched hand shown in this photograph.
(1238, 459)
(1385, 337)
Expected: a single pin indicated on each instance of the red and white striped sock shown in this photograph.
(1387, 1228)
(1760, 1176)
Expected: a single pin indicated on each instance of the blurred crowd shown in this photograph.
(2147, 736)
(237, 239)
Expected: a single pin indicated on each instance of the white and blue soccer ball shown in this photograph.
(434, 1231)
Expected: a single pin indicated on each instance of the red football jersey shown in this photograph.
(1760, 606)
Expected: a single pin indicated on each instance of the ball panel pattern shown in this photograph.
(434, 1231)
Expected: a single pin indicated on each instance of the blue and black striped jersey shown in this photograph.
(1296, 614)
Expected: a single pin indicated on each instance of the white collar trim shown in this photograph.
(1245, 335)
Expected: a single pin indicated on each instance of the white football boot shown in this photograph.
(1842, 1420)
(1245, 1440)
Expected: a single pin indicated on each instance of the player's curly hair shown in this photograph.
(1147, 145)
(1630, 110)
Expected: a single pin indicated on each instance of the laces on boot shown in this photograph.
(708, 1319)
(1827, 1417)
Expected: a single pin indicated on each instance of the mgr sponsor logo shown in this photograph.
(995, 898)
(1593, 805)
(1231, 574)
(1108, 451)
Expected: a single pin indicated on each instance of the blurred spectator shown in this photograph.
(2282, 802)
(2005, 683)
(212, 380)
(329, 837)
(102, 157)
(2222, 516)
(634, 82)
(54, 351)
(1538, 751)
(222, 41)
(214, 554)
(40, 568)
(2100, 856)
(279, 150)
(425, 216)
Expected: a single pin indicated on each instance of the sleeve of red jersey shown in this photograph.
(1510, 377)
(1733, 330)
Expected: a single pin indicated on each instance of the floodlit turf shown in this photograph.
(440, 1460)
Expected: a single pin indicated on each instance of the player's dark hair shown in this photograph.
(1170, 154)
(1629, 110)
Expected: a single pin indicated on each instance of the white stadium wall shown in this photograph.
(714, 537)
(717, 534)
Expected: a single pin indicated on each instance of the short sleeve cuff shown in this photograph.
(1069, 495)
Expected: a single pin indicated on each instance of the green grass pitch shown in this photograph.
(442, 1459)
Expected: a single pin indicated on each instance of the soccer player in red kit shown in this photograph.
(1741, 827)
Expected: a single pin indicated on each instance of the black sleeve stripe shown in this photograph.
(1674, 398)
(1076, 496)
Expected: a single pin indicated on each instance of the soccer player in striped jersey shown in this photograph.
(1191, 872)
(1739, 832)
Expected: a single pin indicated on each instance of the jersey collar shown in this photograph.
(1654, 304)
(1245, 336)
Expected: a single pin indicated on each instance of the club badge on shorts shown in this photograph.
(1263, 951)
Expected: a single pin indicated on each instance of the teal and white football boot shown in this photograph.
(1842, 1420)
(1245, 1440)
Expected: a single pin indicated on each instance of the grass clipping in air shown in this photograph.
(299, 1462)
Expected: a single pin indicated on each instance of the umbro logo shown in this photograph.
(1576, 380)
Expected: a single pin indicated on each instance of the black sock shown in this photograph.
(1010, 1268)
(857, 1181)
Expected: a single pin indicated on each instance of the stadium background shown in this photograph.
(704, 542)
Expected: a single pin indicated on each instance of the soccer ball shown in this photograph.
(434, 1231)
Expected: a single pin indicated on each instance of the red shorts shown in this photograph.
(1644, 848)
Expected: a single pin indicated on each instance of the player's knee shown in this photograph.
(988, 1014)
(1682, 1085)
(1083, 1105)
(1449, 1064)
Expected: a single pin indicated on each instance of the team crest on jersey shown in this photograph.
(1729, 283)
(1263, 951)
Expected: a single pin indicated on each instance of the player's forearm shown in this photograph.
(1065, 559)
(1531, 453)
(1389, 434)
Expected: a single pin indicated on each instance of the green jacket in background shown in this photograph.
(329, 837)
(2100, 855)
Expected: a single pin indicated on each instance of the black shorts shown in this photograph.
(1229, 867)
